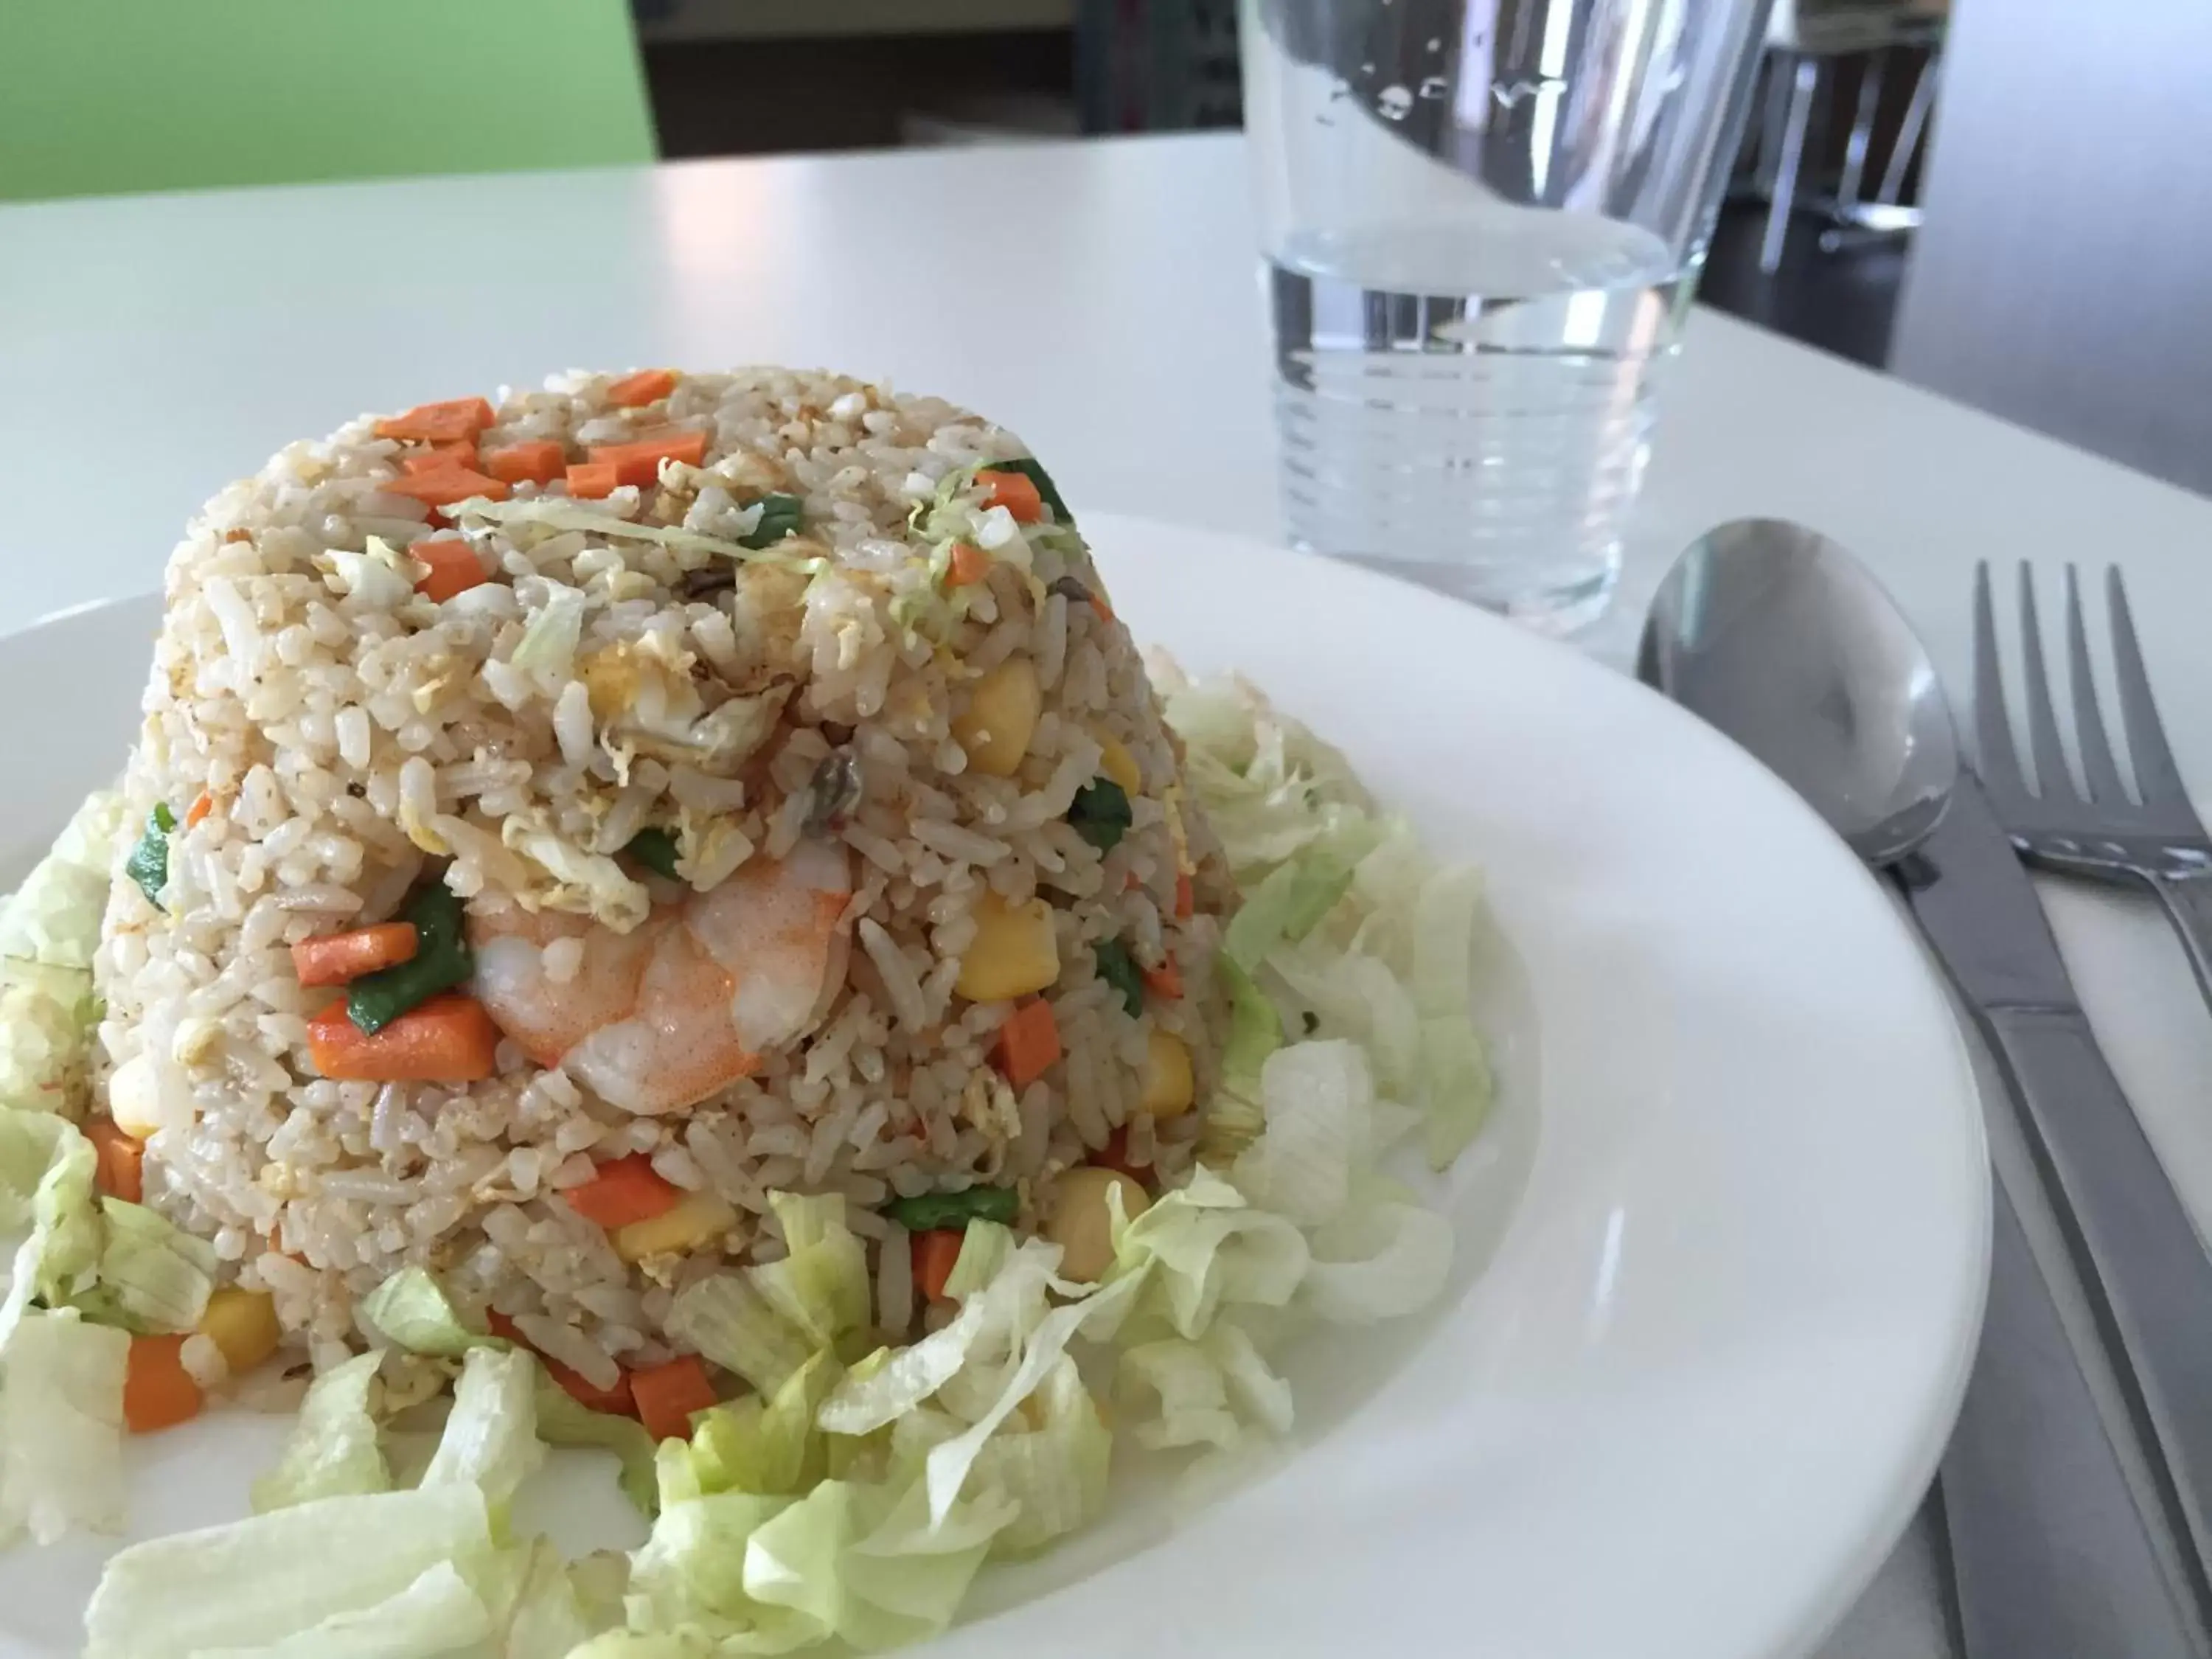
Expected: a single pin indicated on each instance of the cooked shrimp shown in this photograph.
(681, 1006)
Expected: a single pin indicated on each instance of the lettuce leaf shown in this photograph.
(563, 1420)
(411, 1311)
(333, 1450)
(152, 1276)
(491, 1440)
(1317, 1096)
(61, 1427)
(45, 1185)
(256, 1583)
(770, 1447)
(726, 1318)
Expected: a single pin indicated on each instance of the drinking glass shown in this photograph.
(1482, 221)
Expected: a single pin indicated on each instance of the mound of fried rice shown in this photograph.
(328, 736)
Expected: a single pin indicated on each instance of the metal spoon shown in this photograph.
(1780, 639)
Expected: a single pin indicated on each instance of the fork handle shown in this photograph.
(2188, 902)
(2149, 1280)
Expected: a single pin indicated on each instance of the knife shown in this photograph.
(2049, 1555)
(2149, 1280)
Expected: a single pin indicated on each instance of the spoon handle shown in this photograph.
(2149, 1279)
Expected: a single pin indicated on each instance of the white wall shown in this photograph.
(2064, 278)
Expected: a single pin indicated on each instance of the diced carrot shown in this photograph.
(539, 461)
(1029, 1042)
(158, 1392)
(593, 481)
(438, 457)
(446, 485)
(667, 1394)
(342, 959)
(625, 1189)
(1099, 605)
(1164, 981)
(615, 1400)
(1114, 1155)
(933, 1254)
(1014, 491)
(647, 385)
(970, 563)
(199, 809)
(117, 1160)
(638, 462)
(448, 1039)
(456, 419)
(454, 566)
(1186, 901)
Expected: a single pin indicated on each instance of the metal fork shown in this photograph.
(2151, 838)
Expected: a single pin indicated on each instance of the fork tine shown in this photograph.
(2053, 783)
(1999, 764)
(2157, 778)
(2098, 769)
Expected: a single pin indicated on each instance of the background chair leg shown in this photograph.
(1805, 81)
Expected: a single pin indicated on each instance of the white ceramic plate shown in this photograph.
(1722, 1248)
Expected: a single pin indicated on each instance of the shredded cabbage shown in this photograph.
(548, 645)
(556, 512)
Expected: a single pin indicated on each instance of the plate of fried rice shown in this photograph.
(685, 1017)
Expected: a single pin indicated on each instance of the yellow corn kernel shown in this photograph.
(243, 1324)
(1083, 1223)
(1001, 717)
(695, 1219)
(1115, 761)
(1167, 1085)
(134, 1098)
(1013, 952)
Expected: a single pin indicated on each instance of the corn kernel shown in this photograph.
(1167, 1087)
(243, 1324)
(1001, 718)
(1013, 953)
(695, 1219)
(1083, 1223)
(1115, 761)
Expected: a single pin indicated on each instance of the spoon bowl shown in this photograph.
(1777, 636)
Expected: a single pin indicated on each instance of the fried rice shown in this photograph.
(327, 737)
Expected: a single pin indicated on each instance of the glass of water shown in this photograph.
(1482, 221)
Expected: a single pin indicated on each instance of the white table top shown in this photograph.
(1100, 299)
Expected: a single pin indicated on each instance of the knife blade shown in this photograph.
(2147, 1276)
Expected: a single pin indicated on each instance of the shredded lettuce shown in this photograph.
(564, 1421)
(1317, 1098)
(53, 918)
(727, 1319)
(333, 1450)
(557, 514)
(765, 1322)
(548, 645)
(152, 1276)
(771, 1447)
(410, 1310)
(45, 1185)
(61, 1427)
(821, 1287)
(491, 1439)
(283, 1576)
